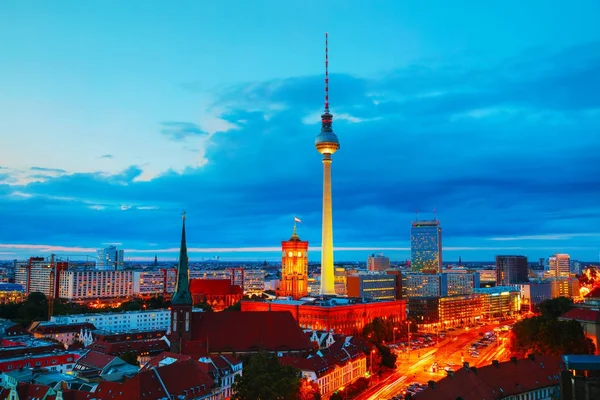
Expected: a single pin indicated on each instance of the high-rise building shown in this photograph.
(378, 262)
(426, 246)
(110, 258)
(294, 267)
(560, 265)
(327, 143)
(154, 282)
(254, 281)
(511, 270)
(38, 274)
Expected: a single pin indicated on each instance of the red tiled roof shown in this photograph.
(214, 287)
(245, 331)
(135, 346)
(62, 328)
(501, 381)
(582, 314)
(155, 361)
(95, 359)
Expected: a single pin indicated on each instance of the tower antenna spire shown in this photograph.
(434, 215)
(326, 72)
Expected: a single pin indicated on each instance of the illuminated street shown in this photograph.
(453, 349)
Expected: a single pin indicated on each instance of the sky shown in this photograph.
(117, 116)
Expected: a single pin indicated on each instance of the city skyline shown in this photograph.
(108, 134)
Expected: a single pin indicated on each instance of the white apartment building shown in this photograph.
(153, 282)
(93, 284)
(119, 322)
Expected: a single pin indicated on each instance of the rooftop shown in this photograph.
(582, 314)
(581, 362)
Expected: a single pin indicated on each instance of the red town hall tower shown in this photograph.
(294, 267)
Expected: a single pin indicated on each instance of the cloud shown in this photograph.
(504, 153)
(180, 131)
(107, 156)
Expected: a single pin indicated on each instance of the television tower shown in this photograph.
(327, 143)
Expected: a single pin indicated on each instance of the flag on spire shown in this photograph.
(296, 219)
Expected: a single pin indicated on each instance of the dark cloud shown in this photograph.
(180, 131)
(505, 151)
(52, 170)
(107, 156)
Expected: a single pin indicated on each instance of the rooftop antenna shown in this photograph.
(326, 72)
(434, 215)
(416, 215)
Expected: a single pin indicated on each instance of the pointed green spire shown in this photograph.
(182, 294)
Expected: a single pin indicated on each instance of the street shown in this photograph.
(449, 353)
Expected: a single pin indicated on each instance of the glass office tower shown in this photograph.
(426, 246)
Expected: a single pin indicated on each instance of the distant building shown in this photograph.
(254, 281)
(588, 317)
(565, 287)
(511, 270)
(340, 277)
(378, 262)
(110, 258)
(439, 285)
(426, 246)
(124, 321)
(67, 334)
(499, 301)
(560, 265)
(398, 277)
(461, 283)
(372, 286)
(487, 277)
(11, 293)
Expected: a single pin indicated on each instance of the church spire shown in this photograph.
(182, 294)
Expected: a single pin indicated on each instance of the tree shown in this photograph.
(541, 335)
(264, 378)
(158, 302)
(336, 396)
(235, 307)
(35, 308)
(554, 308)
(204, 306)
(309, 390)
(388, 359)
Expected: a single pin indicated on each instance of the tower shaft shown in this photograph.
(327, 272)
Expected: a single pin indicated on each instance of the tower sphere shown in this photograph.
(327, 141)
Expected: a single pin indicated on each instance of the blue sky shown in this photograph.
(116, 116)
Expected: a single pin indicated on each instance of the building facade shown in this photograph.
(533, 293)
(89, 285)
(344, 316)
(511, 270)
(154, 282)
(500, 301)
(372, 286)
(378, 262)
(426, 246)
(39, 275)
(294, 267)
(110, 258)
(254, 281)
(460, 283)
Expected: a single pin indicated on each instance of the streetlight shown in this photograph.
(394, 333)
(371, 366)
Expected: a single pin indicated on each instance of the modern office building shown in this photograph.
(560, 265)
(95, 284)
(254, 281)
(499, 301)
(511, 270)
(487, 277)
(120, 322)
(372, 286)
(565, 287)
(340, 280)
(294, 267)
(439, 285)
(110, 258)
(426, 246)
(378, 262)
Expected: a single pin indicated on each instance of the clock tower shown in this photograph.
(294, 267)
